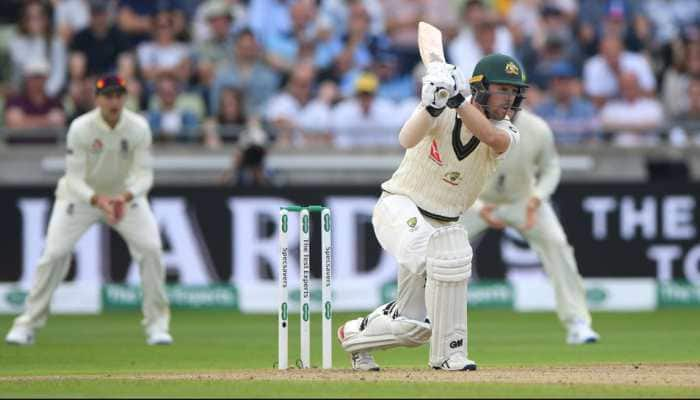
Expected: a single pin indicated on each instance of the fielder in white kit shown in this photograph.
(450, 153)
(108, 176)
(518, 196)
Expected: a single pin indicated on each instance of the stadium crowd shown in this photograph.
(346, 73)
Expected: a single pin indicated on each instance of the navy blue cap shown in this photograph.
(562, 69)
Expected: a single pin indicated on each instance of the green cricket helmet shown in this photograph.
(498, 68)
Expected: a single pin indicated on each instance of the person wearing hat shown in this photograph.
(454, 141)
(32, 108)
(108, 175)
(217, 49)
(364, 120)
(518, 196)
(101, 42)
(571, 117)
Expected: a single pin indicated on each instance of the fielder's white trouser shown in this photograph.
(548, 239)
(69, 221)
(405, 233)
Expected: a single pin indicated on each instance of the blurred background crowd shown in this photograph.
(346, 73)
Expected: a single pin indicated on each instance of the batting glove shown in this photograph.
(438, 86)
(462, 89)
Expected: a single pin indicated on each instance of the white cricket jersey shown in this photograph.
(102, 160)
(532, 168)
(445, 172)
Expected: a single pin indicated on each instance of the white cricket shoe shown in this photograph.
(581, 333)
(456, 362)
(159, 338)
(363, 361)
(20, 335)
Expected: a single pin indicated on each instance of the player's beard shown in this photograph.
(500, 112)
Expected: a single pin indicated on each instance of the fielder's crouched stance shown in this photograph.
(108, 175)
(453, 145)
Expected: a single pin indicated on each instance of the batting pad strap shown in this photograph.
(449, 255)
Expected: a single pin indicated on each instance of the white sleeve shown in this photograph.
(507, 126)
(76, 162)
(418, 125)
(140, 177)
(647, 81)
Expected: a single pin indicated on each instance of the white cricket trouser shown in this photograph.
(549, 241)
(393, 219)
(69, 221)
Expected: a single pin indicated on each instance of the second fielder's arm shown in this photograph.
(76, 164)
(548, 166)
(140, 178)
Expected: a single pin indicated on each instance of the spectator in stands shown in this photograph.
(633, 120)
(34, 41)
(556, 27)
(32, 108)
(335, 15)
(269, 18)
(552, 53)
(201, 26)
(401, 20)
(285, 109)
(476, 41)
(598, 19)
(217, 49)
(230, 120)
(392, 85)
(283, 48)
(365, 120)
(101, 43)
(136, 19)
(571, 117)
(687, 125)
(169, 118)
(126, 69)
(601, 73)
(248, 72)
(70, 16)
(677, 78)
(359, 49)
(163, 54)
(315, 122)
(80, 99)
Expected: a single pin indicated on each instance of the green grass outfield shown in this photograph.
(228, 354)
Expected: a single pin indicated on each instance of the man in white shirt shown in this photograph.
(108, 175)
(633, 119)
(364, 120)
(601, 73)
(518, 196)
(453, 144)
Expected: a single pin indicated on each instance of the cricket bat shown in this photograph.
(430, 47)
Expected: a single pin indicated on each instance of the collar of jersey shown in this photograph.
(104, 123)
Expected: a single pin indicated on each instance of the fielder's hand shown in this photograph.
(119, 205)
(533, 204)
(104, 203)
(438, 85)
(486, 214)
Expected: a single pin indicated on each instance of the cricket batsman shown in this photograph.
(453, 145)
(108, 175)
(518, 196)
